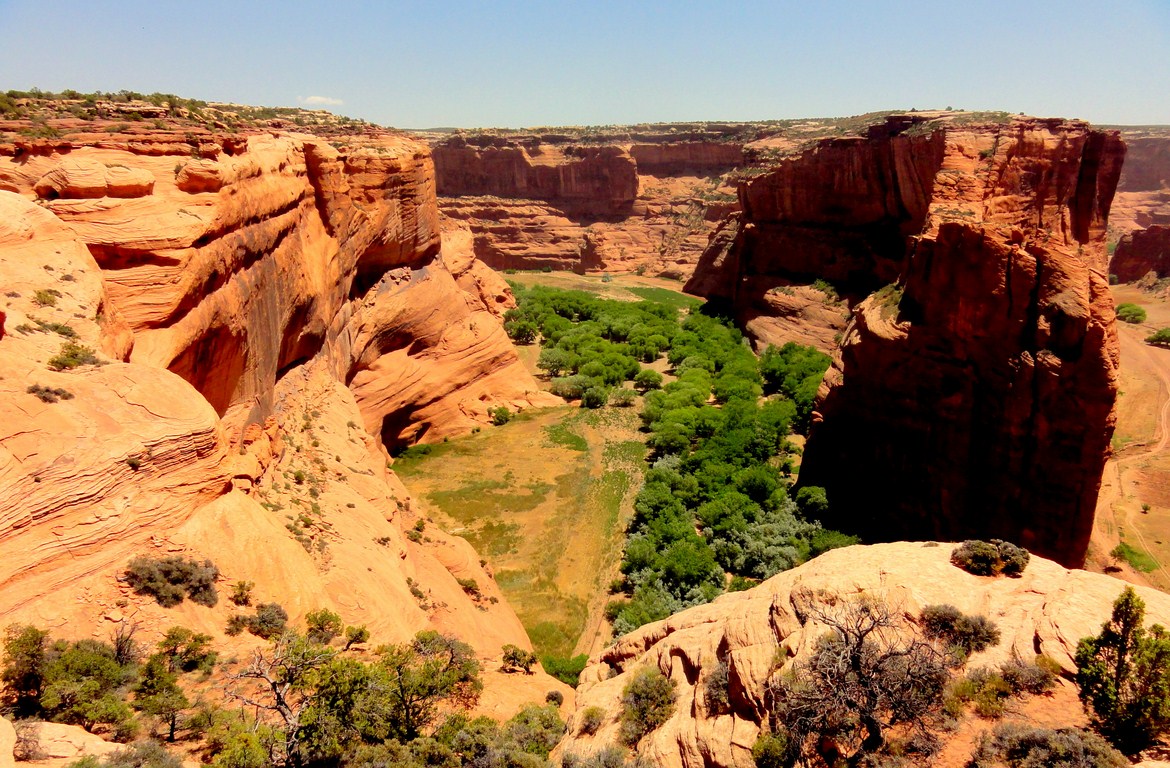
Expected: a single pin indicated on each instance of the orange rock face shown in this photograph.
(259, 318)
(639, 203)
(1142, 251)
(974, 397)
(760, 633)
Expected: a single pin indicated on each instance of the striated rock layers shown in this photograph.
(753, 636)
(208, 349)
(973, 394)
(586, 204)
(1140, 252)
(1143, 194)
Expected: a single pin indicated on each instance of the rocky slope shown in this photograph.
(974, 393)
(1143, 194)
(269, 314)
(760, 633)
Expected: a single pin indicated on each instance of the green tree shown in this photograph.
(184, 650)
(1124, 676)
(423, 675)
(647, 379)
(516, 657)
(158, 693)
(1130, 313)
(25, 650)
(323, 625)
(553, 361)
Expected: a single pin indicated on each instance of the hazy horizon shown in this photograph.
(516, 64)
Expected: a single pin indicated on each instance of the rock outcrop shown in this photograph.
(1143, 194)
(205, 362)
(758, 634)
(973, 394)
(1140, 252)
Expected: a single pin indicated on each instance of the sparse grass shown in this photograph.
(666, 296)
(47, 297)
(49, 394)
(562, 433)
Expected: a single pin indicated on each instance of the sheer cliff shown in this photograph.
(973, 392)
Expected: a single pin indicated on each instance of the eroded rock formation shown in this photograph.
(973, 394)
(253, 316)
(762, 632)
(1140, 252)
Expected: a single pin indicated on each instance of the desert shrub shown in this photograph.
(772, 750)
(168, 580)
(269, 620)
(990, 558)
(323, 625)
(1131, 313)
(516, 657)
(73, 355)
(186, 651)
(1124, 676)
(606, 757)
(47, 297)
(984, 689)
(594, 397)
(49, 394)
(1030, 677)
(647, 703)
(500, 416)
(1016, 745)
(966, 634)
(622, 397)
(592, 719)
(647, 379)
(556, 698)
(242, 593)
(715, 688)
(356, 636)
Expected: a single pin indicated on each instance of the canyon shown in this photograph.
(273, 313)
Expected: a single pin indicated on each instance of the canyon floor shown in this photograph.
(1134, 504)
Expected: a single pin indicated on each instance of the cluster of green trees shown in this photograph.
(303, 701)
(591, 345)
(716, 501)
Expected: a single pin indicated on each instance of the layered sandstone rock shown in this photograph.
(973, 395)
(760, 633)
(1143, 194)
(1140, 252)
(225, 309)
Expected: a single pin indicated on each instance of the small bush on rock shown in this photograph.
(1022, 746)
(990, 558)
(647, 703)
(591, 719)
(965, 634)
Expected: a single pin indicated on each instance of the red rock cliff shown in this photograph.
(1142, 251)
(973, 396)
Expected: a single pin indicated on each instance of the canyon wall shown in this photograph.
(260, 318)
(1140, 252)
(581, 203)
(973, 394)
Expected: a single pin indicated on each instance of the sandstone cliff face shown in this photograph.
(632, 202)
(230, 299)
(1142, 251)
(762, 632)
(974, 394)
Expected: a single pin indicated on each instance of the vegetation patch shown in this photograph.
(1137, 559)
(73, 355)
(171, 579)
(990, 558)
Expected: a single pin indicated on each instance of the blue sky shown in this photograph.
(510, 63)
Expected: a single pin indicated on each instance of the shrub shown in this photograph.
(647, 703)
(242, 593)
(1160, 337)
(355, 636)
(715, 689)
(269, 620)
(967, 634)
(49, 394)
(47, 297)
(168, 580)
(647, 379)
(566, 669)
(985, 689)
(516, 657)
(1022, 746)
(594, 397)
(622, 398)
(1124, 676)
(323, 625)
(556, 698)
(1030, 677)
(592, 719)
(990, 558)
(500, 416)
(1131, 313)
(73, 355)
(771, 750)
